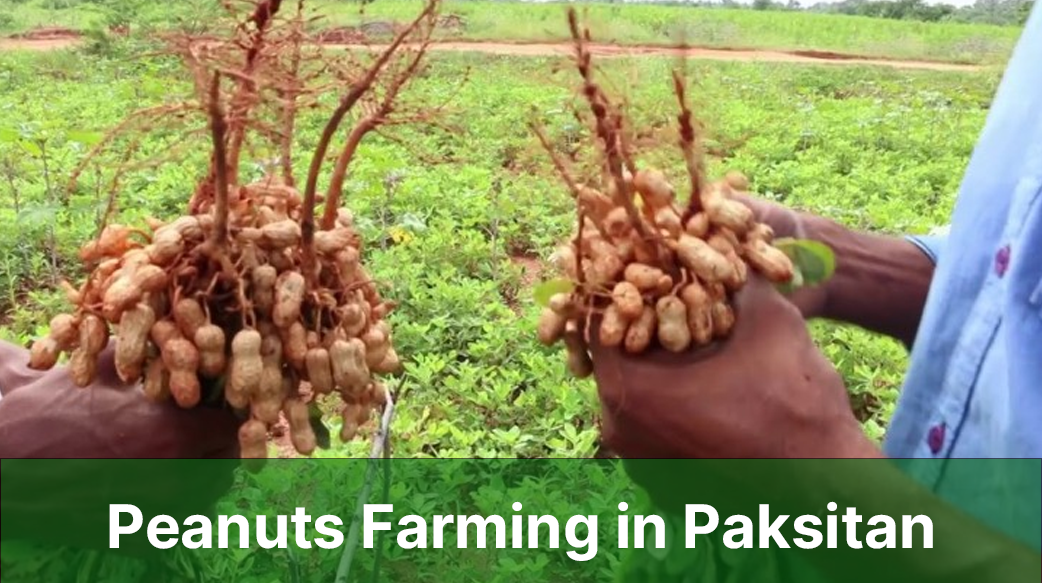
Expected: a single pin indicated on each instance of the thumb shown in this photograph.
(785, 221)
(14, 370)
(759, 304)
(759, 296)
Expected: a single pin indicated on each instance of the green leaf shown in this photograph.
(84, 137)
(23, 553)
(413, 222)
(36, 216)
(8, 135)
(154, 88)
(544, 291)
(813, 262)
(32, 147)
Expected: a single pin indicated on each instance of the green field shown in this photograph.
(876, 149)
(450, 218)
(641, 24)
(714, 28)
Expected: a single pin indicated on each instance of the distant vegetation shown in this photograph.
(910, 29)
(1001, 12)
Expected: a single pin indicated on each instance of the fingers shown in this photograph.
(759, 296)
(759, 310)
(784, 221)
(760, 307)
(14, 370)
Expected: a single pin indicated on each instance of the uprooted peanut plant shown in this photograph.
(251, 299)
(642, 266)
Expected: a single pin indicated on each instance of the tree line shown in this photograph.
(1000, 12)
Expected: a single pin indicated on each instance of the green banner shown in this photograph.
(698, 521)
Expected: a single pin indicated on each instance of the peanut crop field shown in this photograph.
(460, 213)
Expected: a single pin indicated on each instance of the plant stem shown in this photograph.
(378, 450)
(358, 88)
(336, 182)
(385, 499)
(218, 128)
(605, 130)
(369, 123)
(290, 111)
(689, 146)
(9, 174)
(559, 164)
(242, 102)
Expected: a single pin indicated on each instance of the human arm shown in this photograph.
(14, 369)
(767, 392)
(44, 415)
(57, 443)
(880, 282)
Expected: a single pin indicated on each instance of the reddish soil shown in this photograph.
(50, 33)
(341, 35)
(279, 436)
(531, 272)
(42, 39)
(715, 54)
(356, 37)
(531, 269)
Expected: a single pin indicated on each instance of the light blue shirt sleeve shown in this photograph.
(974, 384)
(930, 245)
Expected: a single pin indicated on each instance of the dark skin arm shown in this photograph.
(880, 282)
(44, 416)
(768, 392)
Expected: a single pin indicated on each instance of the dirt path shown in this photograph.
(17, 44)
(550, 49)
(41, 39)
(701, 53)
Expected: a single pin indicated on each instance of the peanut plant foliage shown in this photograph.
(459, 219)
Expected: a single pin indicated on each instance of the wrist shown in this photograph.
(840, 436)
(880, 281)
(857, 445)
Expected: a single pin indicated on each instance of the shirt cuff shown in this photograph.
(930, 245)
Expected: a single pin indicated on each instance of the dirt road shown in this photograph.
(701, 53)
(549, 49)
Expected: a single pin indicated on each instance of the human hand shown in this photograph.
(765, 392)
(14, 369)
(63, 501)
(44, 415)
(789, 223)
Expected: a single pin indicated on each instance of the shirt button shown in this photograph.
(1002, 261)
(935, 438)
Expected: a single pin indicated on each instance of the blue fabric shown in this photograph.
(974, 387)
(931, 245)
